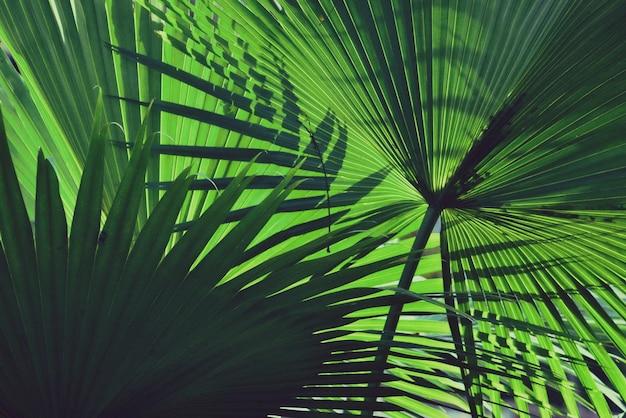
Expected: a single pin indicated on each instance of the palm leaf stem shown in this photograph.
(490, 139)
(466, 352)
(495, 133)
(391, 323)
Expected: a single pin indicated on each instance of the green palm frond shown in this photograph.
(477, 122)
(60, 49)
(498, 125)
(111, 324)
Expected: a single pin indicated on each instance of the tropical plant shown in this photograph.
(435, 219)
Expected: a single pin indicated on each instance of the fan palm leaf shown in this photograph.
(110, 323)
(488, 129)
(501, 122)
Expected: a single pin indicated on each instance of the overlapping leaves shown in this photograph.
(504, 119)
(507, 119)
(108, 323)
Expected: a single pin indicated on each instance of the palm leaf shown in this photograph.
(497, 124)
(500, 122)
(60, 51)
(125, 330)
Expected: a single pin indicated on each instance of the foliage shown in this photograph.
(498, 124)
